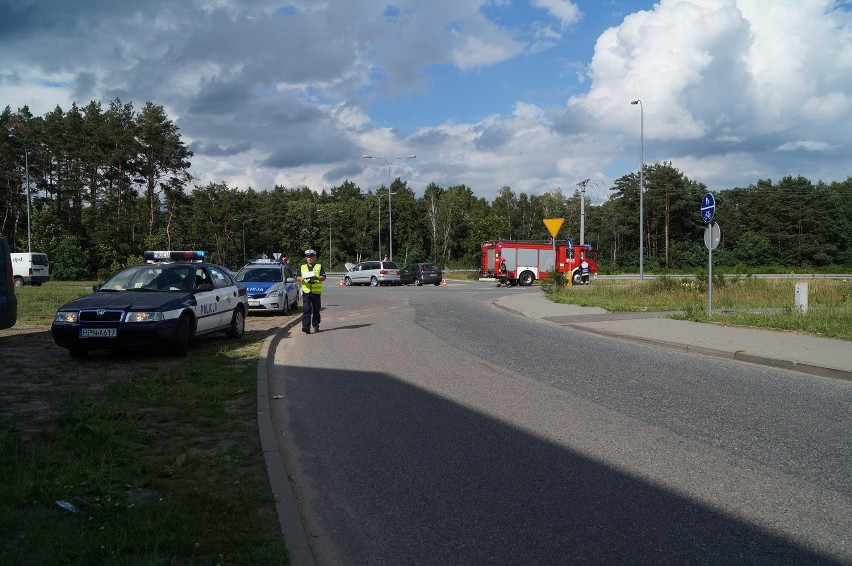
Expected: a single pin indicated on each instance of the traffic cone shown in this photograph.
(341, 283)
(443, 283)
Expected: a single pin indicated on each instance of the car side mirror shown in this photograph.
(204, 287)
(291, 280)
(96, 286)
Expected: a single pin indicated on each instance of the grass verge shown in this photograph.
(160, 457)
(747, 301)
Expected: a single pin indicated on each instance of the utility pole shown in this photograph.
(582, 185)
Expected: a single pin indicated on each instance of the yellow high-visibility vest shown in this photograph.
(313, 286)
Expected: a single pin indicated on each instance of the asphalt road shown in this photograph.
(425, 426)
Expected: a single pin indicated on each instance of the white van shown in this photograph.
(30, 269)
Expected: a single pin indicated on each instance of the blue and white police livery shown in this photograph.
(270, 285)
(163, 303)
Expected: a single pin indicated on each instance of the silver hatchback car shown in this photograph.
(372, 273)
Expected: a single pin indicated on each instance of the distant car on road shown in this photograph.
(372, 273)
(421, 274)
(164, 303)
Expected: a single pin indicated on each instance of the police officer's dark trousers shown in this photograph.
(311, 306)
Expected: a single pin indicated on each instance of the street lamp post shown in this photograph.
(390, 208)
(27, 182)
(641, 186)
(244, 242)
(330, 260)
(378, 198)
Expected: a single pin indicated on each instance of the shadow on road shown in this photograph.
(390, 473)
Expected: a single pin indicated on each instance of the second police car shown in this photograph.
(270, 284)
(165, 302)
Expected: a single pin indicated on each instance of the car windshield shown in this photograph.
(260, 275)
(150, 277)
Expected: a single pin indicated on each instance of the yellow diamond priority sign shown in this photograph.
(553, 225)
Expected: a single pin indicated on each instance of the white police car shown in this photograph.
(270, 284)
(164, 302)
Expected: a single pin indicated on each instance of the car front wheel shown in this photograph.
(180, 342)
(347, 281)
(238, 324)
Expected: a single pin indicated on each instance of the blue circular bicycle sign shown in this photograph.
(708, 208)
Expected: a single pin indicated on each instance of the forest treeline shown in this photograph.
(106, 184)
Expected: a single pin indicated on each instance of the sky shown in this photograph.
(534, 95)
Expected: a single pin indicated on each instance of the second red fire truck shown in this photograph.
(522, 262)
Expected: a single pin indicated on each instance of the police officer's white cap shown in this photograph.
(309, 253)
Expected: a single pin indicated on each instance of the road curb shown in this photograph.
(286, 506)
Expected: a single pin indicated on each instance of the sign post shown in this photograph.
(553, 225)
(708, 210)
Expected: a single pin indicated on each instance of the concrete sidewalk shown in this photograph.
(823, 357)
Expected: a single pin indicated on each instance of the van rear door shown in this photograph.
(40, 269)
(8, 301)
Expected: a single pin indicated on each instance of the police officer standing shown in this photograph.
(311, 276)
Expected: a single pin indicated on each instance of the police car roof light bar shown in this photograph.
(167, 255)
(265, 261)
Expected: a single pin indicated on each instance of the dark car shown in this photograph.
(161, 304)
(8, 301)
(421, 274)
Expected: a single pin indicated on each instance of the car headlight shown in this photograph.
(66, 316)
(144, 317)
(274, 293)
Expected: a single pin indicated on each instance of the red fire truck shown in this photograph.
(522, 262)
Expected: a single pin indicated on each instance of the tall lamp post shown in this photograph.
(390, 208)
(378, 198)
(27, 182)
(330, 260)
(244, 243)
(641, 186)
